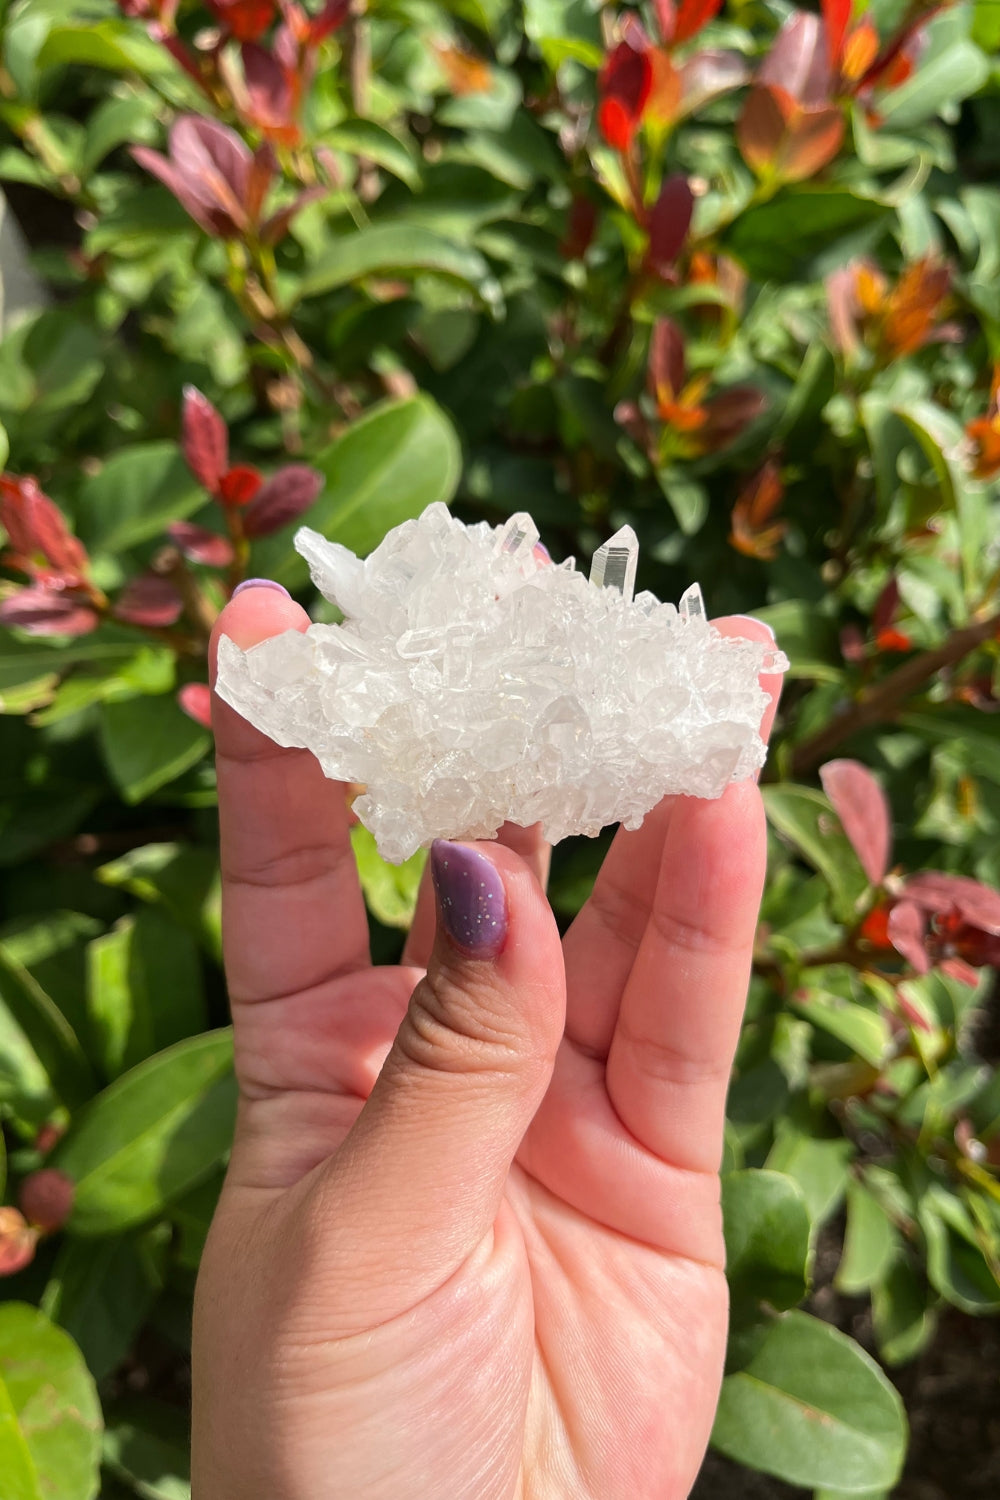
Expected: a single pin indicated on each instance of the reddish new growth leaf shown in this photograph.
(246, 20)
(779, 137)
(669, 222)
(580, 227)
(200, 545)
(39, 610)
(863, 809)
(693, 421)
(239, 485)
(624, 86)
(17, 1242)
(691, 17)
(753, 531)
(46, 1198)
(150, 601)
(798, 62)
(983, 434)
(281, 499)
(204, 439)
(273, 93)
(42, 546)
(195, 698)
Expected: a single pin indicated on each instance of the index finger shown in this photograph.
(293, 913)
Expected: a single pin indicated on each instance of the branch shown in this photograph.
(886, 698)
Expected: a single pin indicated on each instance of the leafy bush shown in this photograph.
(729, 275)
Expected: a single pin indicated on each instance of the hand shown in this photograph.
(469, 1245)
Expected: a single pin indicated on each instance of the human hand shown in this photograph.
(469, 1245)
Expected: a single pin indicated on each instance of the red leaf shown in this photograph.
(907, 932)
(863, 809)
(331, 18)
(285, 495)
(34, 524)
(666, 17)
(978, 905)
(17, 1242)
(666, 370)
(580, 228)
(272, 92)
(730, 413)
(204, 439)
(207, 172)
(813, 140)
(195, 698)
(624, 86)
(893, 640)
(692, 16)
(149, 601)
(200, 545)
(239, 484)
(42, 611)
(836, 14)
(669, 222)
(799, 62)
(246, 20)
(886, 606)
(46, 1198)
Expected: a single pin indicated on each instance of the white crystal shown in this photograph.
(472, 682)
(614, 564)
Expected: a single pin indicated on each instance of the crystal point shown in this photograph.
(614, 564)
(473, 683)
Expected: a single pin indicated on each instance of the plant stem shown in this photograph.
(884, 700)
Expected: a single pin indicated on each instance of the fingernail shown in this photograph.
(541, 553)
(260, 583)
(471, 899)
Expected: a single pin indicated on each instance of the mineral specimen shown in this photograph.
(473, 682)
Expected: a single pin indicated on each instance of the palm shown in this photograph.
(575, 1348)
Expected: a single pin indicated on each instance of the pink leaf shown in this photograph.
(666, 18)
(42, 611)
(669, 222)
(843, 309)
(907, 931)
(799, 61)
(863, 809)
(707, 75)
(195, 698)
(269, 89)
(935, 891)
(202, 207)
(284, 496)
(215, 156)
(149, 601)
(205, 440)
(200, 545)
(957, 968)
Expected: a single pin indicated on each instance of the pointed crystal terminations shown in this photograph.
(692, 605)
(615, 563)
(517, 537)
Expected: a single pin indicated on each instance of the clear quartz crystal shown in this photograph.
(474, 682)
(614, 564)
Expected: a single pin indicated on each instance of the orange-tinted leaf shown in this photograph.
(624, 85)
(893, 640)
(915, 305)
(466, 73)
(666, 91)
(813, 139)
(692, 16)
(983, 434)
(863, 809)
(860, 52)
(239, 484)
(761, 127)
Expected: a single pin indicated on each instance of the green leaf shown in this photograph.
(144, 989)
(945, 79)
(134, 496)
(564, 30)
(101, 1292)
(767, 1237)
(52, 1038)
(114, 123)
(801, 234)
(807, 637)
(390, 890)
(956, 1266)
(819, 1166)
(365, 138)
(148, 742)
(146, 1443)
(151, 1135)
(869, 1243)
(902, 1318)
(865, 1031)
(184, 879)
(108, 45)
(50, 1417)
(4, 447)
(48, 365)
(806, 818)
(814, 1409)
(398, 459)
(687, 499)
(393, 250)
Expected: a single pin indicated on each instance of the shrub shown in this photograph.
(729, 275)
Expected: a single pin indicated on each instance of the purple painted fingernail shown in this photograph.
(260, 583)
(471, 899)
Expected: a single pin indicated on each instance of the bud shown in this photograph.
(17, 1242)
(46, 1198)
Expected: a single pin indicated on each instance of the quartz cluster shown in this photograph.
(473, 682)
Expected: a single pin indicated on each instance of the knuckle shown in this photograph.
(447, 1029)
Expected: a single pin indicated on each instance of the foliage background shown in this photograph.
(731, 278)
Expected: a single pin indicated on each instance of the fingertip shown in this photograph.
(749, 628)
(256, 611)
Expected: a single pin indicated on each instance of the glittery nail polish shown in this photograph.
(471, 899)
(260, 583)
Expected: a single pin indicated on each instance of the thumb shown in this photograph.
(419, 1179)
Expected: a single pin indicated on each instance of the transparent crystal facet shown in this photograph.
(474, 682)
(614, 564)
